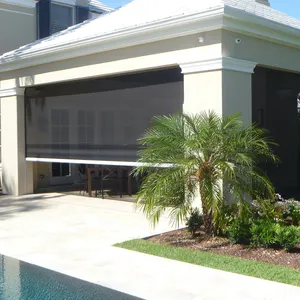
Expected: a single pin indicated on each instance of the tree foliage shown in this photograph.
(184, 156)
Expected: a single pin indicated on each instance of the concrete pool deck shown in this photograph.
(74, 235)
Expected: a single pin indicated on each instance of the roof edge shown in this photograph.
(146, 33)
(222, 17)
(256, 26)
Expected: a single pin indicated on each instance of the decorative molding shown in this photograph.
(221, 63)
(239, 65)
(22, 3)
(9, 92)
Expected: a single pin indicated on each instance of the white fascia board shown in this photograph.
(249, 24)
(221, 63)
(127, 37)
(22, 3)
(9, 92)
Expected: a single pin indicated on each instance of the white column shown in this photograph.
(17, 174)
(222, 84)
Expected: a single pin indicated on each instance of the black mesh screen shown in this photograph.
(99, 119)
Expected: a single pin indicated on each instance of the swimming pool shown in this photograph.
(23, 281)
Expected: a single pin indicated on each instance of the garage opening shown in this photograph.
(95, 123)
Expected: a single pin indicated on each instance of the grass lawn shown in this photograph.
(217, 261)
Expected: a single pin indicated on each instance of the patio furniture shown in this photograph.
(112, 174)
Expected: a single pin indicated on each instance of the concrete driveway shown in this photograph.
(58, 224)
(73, 235)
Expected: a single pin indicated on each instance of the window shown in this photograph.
(86, 125)
(62, 17)
(60, 127)
(60, 138)
(60, 170)
(107, 127)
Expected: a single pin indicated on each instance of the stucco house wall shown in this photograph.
(17, 26)
(275, 54)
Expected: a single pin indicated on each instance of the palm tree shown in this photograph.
(205, 155)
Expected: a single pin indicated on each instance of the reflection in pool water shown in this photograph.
(23, 281)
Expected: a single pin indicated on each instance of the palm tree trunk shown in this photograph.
(207, 217)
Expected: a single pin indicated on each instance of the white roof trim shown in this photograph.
(23, 3)
(248, 24)
(160, 30)
(221, 63)
(221, 17)
(9, 92)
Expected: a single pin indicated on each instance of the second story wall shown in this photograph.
(17, 25)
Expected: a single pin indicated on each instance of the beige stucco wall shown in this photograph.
(265, 53)
(144, 57)
(237, 94)
(203, 91)
(226, 92)
(17, 27)
(18, 177)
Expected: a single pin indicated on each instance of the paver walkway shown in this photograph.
(73, 235)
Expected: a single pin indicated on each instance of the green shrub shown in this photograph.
(239, 232)
(288, 212)
(228, 214)
(287, 236)
(194, 221)
(263, 233)
(264, 209)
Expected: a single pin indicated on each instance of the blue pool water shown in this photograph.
(23, 281)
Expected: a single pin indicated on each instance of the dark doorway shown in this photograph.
(274, 107)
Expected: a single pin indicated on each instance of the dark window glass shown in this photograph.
(56, 170)
(60, 170)
(65, 169)
(62, 17)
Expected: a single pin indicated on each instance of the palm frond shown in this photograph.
(206, 154)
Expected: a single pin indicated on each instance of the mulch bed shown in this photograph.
(220, 245)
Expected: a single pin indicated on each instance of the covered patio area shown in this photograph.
(84, 134)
